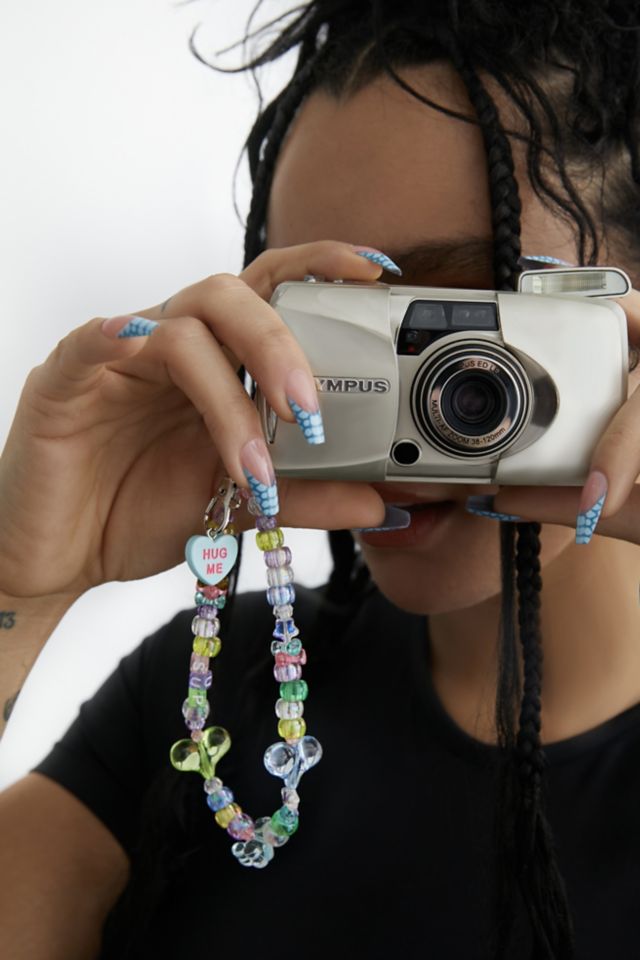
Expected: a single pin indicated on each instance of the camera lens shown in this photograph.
(471, 400)
(473, 403)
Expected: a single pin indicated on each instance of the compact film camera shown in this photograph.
(452, 385)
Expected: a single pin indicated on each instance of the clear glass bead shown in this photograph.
(283, 611)
(290, 797)
(281, 595)
(279, 576)
(289, 671)
(205, 628)
(242, 827)
(277, 646)
(289, 709)
(191, 712)
(264, 831)
(209, 611)
(213, 785)
(201, 681)
(278, 558)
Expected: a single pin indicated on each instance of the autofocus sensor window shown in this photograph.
(474, 316)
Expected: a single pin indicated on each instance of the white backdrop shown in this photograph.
(115, 192)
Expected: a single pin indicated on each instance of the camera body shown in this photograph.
(453, 385)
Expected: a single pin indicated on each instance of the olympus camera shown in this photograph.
(454, 385)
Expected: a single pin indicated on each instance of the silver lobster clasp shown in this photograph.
(222, 503)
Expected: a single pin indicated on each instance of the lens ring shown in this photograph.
(474, 403)
(432, 393)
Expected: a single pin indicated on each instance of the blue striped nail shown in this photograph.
(591, 503)
(310, 423)
(267, 496)
(481, 507)
(138, 327)
(382, 259)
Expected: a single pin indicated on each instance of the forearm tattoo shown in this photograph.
(9, 705)
(7, 619)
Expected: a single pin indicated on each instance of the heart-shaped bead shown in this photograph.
(211, 560)
(290, 760)
(190, 757)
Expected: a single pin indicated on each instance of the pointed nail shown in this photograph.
(302, 397)
(258, 469)
(483, 507)
(394, 519)
(128, 327)
(591, 503)
(376, 256)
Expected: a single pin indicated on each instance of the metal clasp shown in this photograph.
(226, 499)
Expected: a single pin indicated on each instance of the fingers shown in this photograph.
(562, 505)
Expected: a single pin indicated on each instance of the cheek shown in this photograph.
(461, 570)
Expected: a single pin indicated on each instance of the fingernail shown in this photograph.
(394, 519)
(591, 503)
(131, 326)
(376, 256)
(534, 259)
(302, 397)
(483, 507)
(258, 469)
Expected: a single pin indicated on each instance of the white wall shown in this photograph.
(119, 148)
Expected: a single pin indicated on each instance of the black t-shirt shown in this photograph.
(394, 854)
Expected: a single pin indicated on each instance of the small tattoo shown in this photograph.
(9, 705)
(7, 619)
(165, 304)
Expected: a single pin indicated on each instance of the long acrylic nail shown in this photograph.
(258, 469)
(482, 506)
(394, 519)
(302, 397)
(376, 256)
(591, 503)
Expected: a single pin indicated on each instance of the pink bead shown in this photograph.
(283, 658)
(211, 593)
(242, 827)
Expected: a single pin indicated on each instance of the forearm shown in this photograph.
(26, 623)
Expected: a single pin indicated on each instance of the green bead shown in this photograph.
(284, 822)
(196, 698)
(293, 647)
(270, 539)
(294, 690)
(292, 729)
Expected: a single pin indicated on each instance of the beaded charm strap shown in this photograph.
(211, 558)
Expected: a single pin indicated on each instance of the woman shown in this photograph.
(455, 142)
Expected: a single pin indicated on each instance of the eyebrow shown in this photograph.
(468, 255)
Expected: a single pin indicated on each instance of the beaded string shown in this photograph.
(211, 558)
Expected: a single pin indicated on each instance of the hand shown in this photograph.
(609, 497)
(117, 445)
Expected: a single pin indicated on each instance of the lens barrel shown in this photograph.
(471, 400)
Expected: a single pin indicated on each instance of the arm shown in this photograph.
(26, 623)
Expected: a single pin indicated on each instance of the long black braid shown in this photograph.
(594, 48)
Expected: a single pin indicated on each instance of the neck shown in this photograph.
(590, 624)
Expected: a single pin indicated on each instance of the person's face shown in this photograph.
(383, 170)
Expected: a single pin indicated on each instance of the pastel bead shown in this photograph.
(284, 821)
(201, 681)
(213, 590)
(266, 523)
(290, 671)
(201, 601)
(290, 798)
(221, 798)
(198, 663)
(293, 647)
(270, 539)
(220, 603)
(285, 629)
(242, 827)
(292, 729)
(196, 698)
(209, 612)
(213, 785)
(265, 832)
(205, 628)
(207, 646)
(278, 558)
(283, 658)
(195, 722)
(283, 611)
(289, 709)
(227, 814)
(280, 595)
(294, 690)
(279, 576)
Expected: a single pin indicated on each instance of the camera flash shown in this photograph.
(579, 281)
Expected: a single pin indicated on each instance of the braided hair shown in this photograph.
(572, 70)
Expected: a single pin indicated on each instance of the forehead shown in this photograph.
(382, 169)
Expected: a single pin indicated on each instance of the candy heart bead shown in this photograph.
(211, 560)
